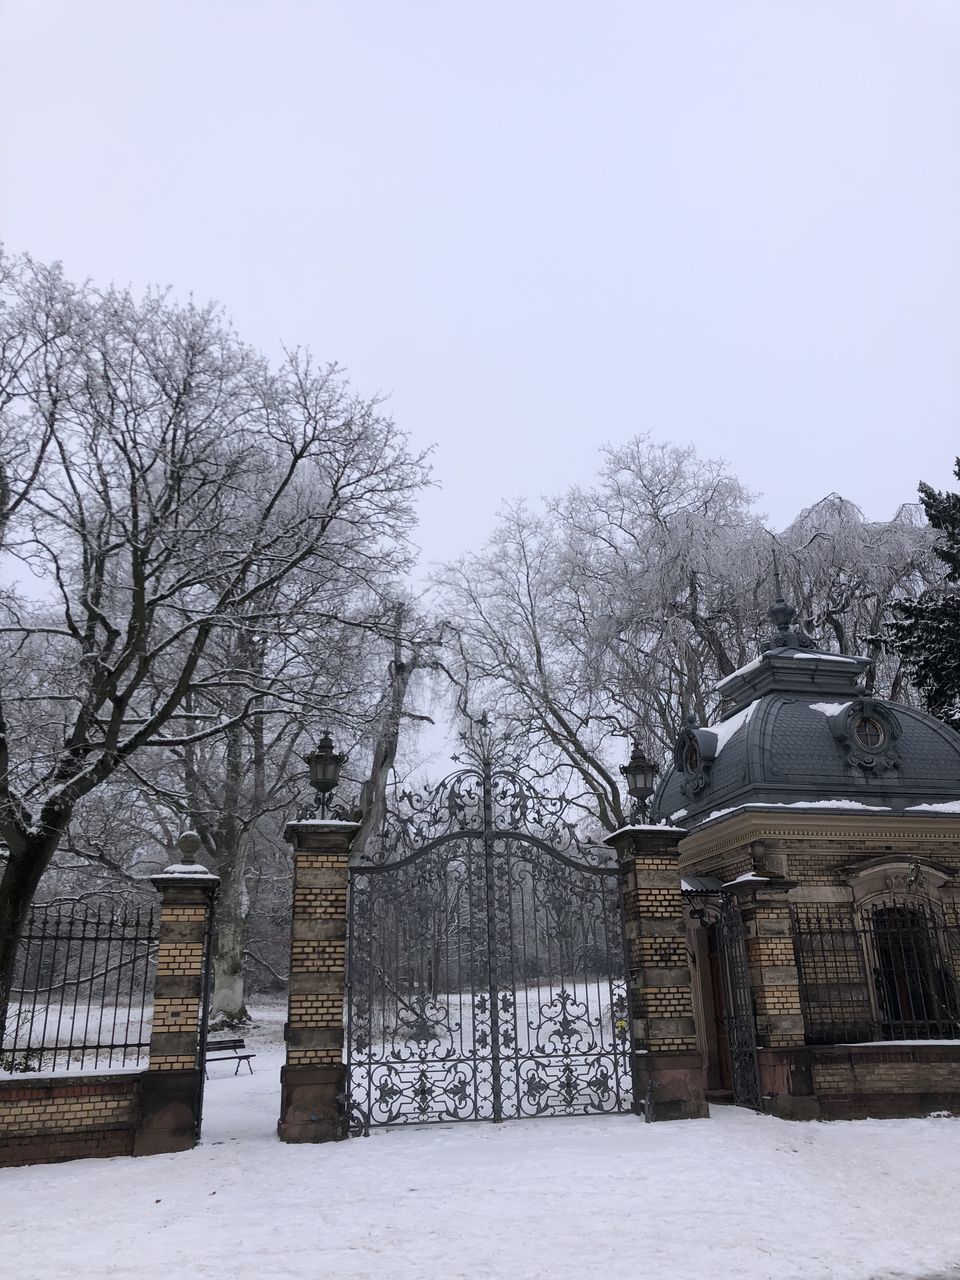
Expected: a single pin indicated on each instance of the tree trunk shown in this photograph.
(373, 796)
(26, 863)
(233, 908)
(228, 1002)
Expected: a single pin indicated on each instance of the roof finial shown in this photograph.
(782, 615)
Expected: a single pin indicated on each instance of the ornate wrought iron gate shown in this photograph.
(486, 961)
(738, 1016)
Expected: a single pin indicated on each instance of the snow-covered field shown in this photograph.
(738, 1195)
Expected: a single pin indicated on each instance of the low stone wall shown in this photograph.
(852, 1082)
(68, 1117)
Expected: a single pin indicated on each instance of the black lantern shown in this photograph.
(640, 775)
(324, 764)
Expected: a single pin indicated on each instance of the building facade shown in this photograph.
(820, 856)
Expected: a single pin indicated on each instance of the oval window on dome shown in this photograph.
(869, 733)
(691, 757)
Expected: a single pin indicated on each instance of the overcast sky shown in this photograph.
(538, 226)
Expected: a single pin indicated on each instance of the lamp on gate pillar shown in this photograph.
(640, 775)
(324, 764)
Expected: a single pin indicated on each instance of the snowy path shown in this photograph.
(738, 1195)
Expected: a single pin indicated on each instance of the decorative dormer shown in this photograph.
(693, 756)
(866, 732)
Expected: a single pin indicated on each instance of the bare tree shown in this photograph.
(182, 483)
(847, 574)
(616, 609)
(416, 645)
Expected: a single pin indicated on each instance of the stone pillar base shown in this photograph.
(673, 1082)
(169, 1112)
(311, 1104)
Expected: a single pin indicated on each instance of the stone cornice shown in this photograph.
(739, 830)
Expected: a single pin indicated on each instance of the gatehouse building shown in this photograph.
(819, 852)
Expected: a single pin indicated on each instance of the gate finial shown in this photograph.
(189, 846)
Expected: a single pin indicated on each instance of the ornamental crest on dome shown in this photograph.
(866, 733)
(693, 757)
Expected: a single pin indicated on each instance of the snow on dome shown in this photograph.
(724, 730)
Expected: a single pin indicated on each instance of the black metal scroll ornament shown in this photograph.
(486, 958)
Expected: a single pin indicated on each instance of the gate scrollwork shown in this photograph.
(486, 960)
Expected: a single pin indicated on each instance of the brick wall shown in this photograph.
(851, 1082)
(888, 1070)
(65, 1118)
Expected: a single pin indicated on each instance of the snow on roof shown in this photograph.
(748, 666)
(323, 822)
(945, 806)
(643, 826)
(680, 813)
(799, 804)
(725, 729)
(816, 655)
(747, 875)
(829, 708)
(825, 804)
(188, 869)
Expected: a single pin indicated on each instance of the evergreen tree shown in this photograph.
(927, 632)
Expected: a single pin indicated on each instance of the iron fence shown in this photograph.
(82, 989)
(888, 969)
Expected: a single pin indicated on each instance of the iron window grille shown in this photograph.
(885, 969)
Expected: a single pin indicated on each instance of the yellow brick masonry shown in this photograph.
(773, 968)
(317, 955)
(94, 1105)
(179, 959)
(850, 1077)
(172, 1062)
(318, 952)
(181, 914)
(174, 1013)
(657, 953)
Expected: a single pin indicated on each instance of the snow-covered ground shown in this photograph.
(738, 1195)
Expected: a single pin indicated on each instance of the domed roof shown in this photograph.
(801, 732)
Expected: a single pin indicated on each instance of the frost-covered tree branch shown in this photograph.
(163, 490)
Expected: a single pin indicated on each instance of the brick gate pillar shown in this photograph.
(313, 1081)
(172, 1087)
(668, 1066)
(775, 984)
(768, 935)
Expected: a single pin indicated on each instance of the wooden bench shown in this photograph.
(228, 1050)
